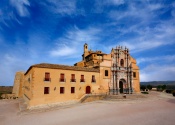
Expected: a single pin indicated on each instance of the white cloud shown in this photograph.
(139, 45)
(7, 15)
(20, 6)
(10, 64)
(168, 58)
(117, 2)
(62, 6)
(73, 40)
(9, 58)
(63, 50)
(142, 12)
(147, 37)
(101, 4)
(154, 6)
(157, 73)
(109, 2)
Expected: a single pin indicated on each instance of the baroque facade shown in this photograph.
(97, 73)
(125, 72)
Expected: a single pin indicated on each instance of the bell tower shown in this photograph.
(85, 51)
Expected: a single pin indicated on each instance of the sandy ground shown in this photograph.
(153, 109)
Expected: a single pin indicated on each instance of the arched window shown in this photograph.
(122, 63)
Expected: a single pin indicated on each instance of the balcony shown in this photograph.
(62, 80)
(82, 80)
(72, 80)
(47, 79)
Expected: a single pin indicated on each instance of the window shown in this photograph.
(134, 74)
(62, 79)
(72, 89)
(106, 72)
(93, 78)
(46, 90)
(73, 78)
(28, 79)
(82, 78)
(61, 90)
(122, 63)
(47, 76)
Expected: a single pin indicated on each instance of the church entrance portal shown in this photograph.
(121, 86)
(88, 89)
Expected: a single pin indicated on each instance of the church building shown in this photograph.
(97, 73)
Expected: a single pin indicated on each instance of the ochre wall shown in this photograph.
(28, 85)
(38, 96)
(18, 84)
(105, 80)
(136, 80)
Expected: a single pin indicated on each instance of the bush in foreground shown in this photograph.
(144, 92)
(143, 87)
(173, 92)
(169, 91)
(149, 87)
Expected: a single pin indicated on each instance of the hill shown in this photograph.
(156, 83)
(5, 90)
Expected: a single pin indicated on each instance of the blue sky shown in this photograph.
(54, 31)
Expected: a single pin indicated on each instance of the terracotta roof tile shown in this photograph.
(65, 67)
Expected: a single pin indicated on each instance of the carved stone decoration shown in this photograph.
(122, 74)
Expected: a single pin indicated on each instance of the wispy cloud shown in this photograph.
(10, 65)
(168, 59)
(143, 12)
(70, 43)
(9, 11)
(21, 7)
(144, 45)
(148, 28)
(63, 50)
(63, 7)
(109, 2)
(117, 2)
(157, 73)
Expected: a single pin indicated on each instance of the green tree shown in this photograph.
(173, 92)
(149, 87)
(159, 88)
(163, 87)
(143, 87)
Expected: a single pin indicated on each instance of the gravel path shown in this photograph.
(152, 109)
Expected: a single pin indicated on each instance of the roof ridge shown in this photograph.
(64, 67)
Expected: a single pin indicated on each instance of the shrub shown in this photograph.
(159, 88)
(163, 87)
(168, 91)
(173, 92)
(142, 87)
(1, 95)
(149, 87)
(144, 92)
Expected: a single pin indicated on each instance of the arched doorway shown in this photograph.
(122, 82)
(88, 89)
(121, 86)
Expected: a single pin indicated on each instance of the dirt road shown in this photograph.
(155, 109)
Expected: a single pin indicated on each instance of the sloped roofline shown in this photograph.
(64, 67)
